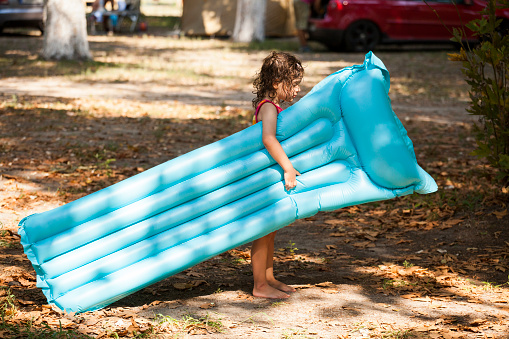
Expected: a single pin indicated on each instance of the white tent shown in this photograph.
(217, 17)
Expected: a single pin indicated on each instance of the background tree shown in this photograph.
(250, 21)
(65, 35)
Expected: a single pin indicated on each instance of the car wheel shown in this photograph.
(361, 36)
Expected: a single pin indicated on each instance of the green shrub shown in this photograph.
(486, 70)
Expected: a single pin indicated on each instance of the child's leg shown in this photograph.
(259, 252)
(270, 268)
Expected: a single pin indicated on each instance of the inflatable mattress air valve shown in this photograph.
(343, 137)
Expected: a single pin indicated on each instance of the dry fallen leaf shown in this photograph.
(188, 285)
(333, 221)
(298, 287)
(325, 284)
(453, 222)
(348, 308)
(246, 296)
(478, 322)
(499, 301)
(498, 327)
(500, 214)
(474, 301)
(500, 268)
(424, 328)
(182, 286)
(206, 306)
(65, 323)
(411, 296)
(195, 274)
(337, 234)
(364, 244)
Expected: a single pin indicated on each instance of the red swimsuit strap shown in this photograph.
(279, 109)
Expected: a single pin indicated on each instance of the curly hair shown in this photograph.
(277, 67)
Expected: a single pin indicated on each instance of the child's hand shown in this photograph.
(291, 179)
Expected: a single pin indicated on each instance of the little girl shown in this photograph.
(277, 81)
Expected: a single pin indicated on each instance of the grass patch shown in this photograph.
(398, 334)
(294, 334)
(13, 65)
(26, 329)
(162, 22)
(189, 324)
(7, 244)
(7, 307)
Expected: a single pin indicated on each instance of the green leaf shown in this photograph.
(503, 161)
(486, 71)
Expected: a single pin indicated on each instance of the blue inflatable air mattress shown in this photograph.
(342, 136)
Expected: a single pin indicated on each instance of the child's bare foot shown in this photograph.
(281, 286)
(267, 291)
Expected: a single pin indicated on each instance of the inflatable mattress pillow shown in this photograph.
(342, 136)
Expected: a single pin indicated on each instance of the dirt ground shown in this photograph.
(433, 266)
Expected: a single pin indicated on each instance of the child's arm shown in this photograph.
(268, 115)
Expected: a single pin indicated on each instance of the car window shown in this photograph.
(31, 2)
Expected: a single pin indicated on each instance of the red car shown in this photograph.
(360, 25)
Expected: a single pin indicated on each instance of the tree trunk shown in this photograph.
(250, 21)
(65, 35)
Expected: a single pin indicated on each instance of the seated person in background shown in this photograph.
(98, 9)
(102, 4)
